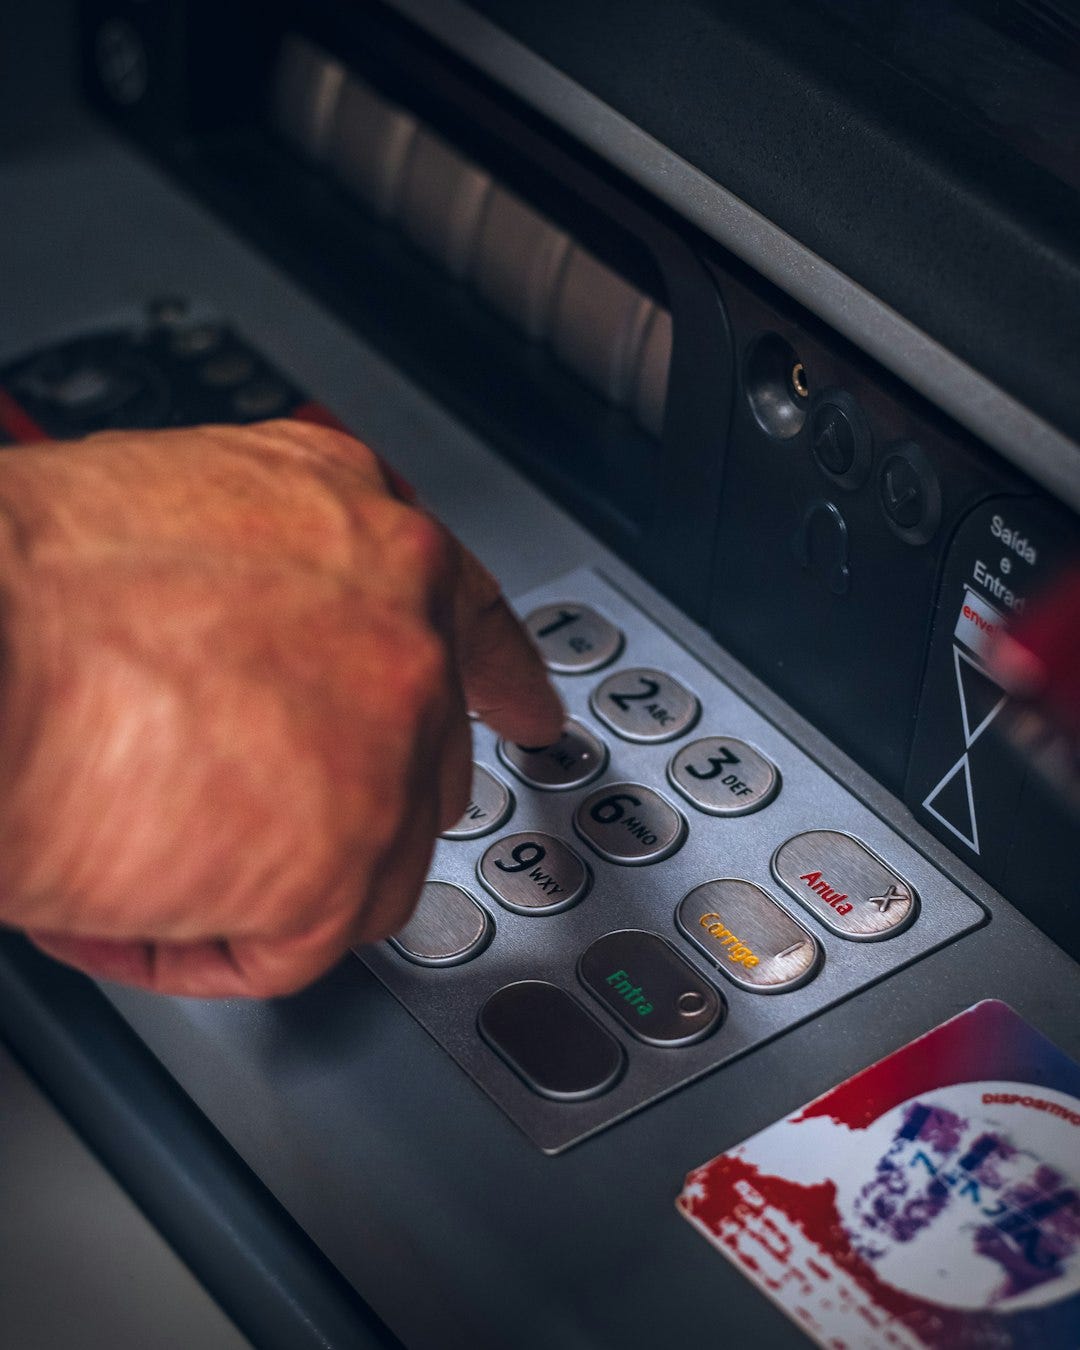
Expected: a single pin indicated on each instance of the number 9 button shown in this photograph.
(724, 777)
(645, 706)
(533, 874)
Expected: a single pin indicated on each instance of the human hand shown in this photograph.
(235, 681)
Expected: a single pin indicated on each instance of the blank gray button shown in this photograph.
(644, 982)
(723, 776)
(845, 886)
(447, 927)
(629, 823)
(550, 1041)
(574, 759)
(573, 639)
(490, 802)
(534, 873)
(754, 942)
(645, 706)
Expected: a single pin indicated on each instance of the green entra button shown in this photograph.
(644, 982)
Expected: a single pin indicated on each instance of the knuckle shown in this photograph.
(422, 548)
(312, 439)
(420, 675)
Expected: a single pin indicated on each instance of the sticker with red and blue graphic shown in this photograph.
(931, 1201)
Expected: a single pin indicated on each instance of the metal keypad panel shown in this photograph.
(649, 907)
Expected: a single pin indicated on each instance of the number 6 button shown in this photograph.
(630, 824)
(724, 777)
(645, 706)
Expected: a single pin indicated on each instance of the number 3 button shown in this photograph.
(723, 776)
(645, 706)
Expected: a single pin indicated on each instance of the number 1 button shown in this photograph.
(573, 639)
(645, 706)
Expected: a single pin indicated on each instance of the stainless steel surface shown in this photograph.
(446, 1001)
(598, 324)
(534, 873)
(643, 982)
(550, 1041)
(370, 143)
(519, 256)
(447, 927)
(645, 706)
(1024, 438)
(723, 776)
(442, 200)
(573, 639)
(490, 803)
(844, 885)
(630, 824)
(748, 936)
(576, 758)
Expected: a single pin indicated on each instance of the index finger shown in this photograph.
(503, 677)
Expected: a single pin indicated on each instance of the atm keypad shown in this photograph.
(708, 891)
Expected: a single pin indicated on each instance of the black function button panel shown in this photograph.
(671, 884)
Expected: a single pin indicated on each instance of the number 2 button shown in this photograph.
(645, 706)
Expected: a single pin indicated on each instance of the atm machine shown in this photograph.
(740, 342)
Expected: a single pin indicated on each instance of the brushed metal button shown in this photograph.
(490, 803)
(723, 776)
(644, 705)
(845, 886)
(748, 936)
(576, 758)
(447, 927)
(630, 824)
(573, 639)
(534, 873)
